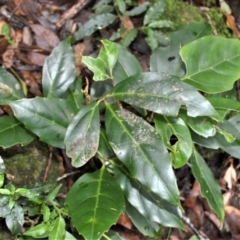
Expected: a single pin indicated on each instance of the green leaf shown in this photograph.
(97, 22)
(12, 133)
(2, 166)
(69, 236)
(182, 148)
(210, 189)
(121, 6)
(102, 66)
(82, 136)
(46, 213)
(154, 12)
(10, 89)
(47, 118)
(160, 24)
(59, 70)
(52, 195)
(126, 66)
(129, 37)
(92, 196)
(139, 147)
(150, 38)
(58, 231)
(163, 94)
(2, 178)
(37, 230)
(137, 10)
(224, 105)
(214, 70)
(152, 208)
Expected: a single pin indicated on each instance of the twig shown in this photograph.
(72, 12)
(48, 164)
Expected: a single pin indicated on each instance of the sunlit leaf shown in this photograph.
(37, 230)
(210, 189)
(139, 147)
(47, 118)
(95, 202)
(58, 231)
(163, 94)
(59, 70)
(102, 65)
(82, 136)
(212, 63)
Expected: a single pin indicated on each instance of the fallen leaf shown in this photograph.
(233, 219)
(230, 176)
(232, 25)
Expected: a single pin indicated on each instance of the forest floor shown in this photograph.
(36, 27)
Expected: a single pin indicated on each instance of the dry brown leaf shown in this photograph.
(232, 25)
(8, 57)
(226, 197)
(36, 58)
(127, 23)
(125, 221)
(230, 176)
(213, 217)
(233, 219)
(45, 38)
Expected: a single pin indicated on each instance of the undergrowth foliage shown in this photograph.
(184, 95)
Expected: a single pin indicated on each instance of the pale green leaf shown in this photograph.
(210, 189)
(212, 63)
(82, 136)
(37, 230)
(160, 24)
(90, 198)
(59, 70)
(58, 231)
(137, 10)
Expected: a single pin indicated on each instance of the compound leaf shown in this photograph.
(163, 94)
(102, 65)
(12, 132)
(95, 195)
(82, 136)
(212, 63)
(47, 118)
(59, 70)
(210, 189)
(140, 148)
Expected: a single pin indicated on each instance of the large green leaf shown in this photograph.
(152, 208)
(102, 65)
(210, 189)
(82, 136)
(126, 66)
(182, 148)
(12, 133)
(59, 70)
(163, 94)
(212, 63)
(140, 148)
(10, 89)
(47, 118)
(95, 202)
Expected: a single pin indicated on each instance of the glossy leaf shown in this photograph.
(92, 196)
(47, 118)
(154, 12)
(82, 136)
(59, 70)
(182, 148)
(12, 132)
(102, 65)
(212, 63)
(58, 231)
(210, 189)
(139, 147)
(146, 202)
(163, 94)
(10, 89)
(97, 22)
(126, 66)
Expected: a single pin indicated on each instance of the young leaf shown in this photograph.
(47, 118)
(82, 136)
(212, 63)
(152, 207)
(126, 66)
(163, 94)
(59, 70)
(102, 66)
(139, 147)
(12, 133)
(154, 12)
(182, 148)
(210, 189)
(52, 195)
(58, 231)
(10, 89)
(92, 196)
(98, 22)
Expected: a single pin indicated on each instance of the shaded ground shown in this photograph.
(36, 28)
